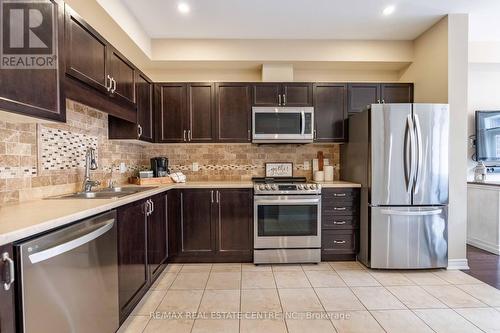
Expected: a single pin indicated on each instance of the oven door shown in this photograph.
(287, 221)
(285, 124)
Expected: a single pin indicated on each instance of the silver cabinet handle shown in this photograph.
(72, 244)
(217, 196)
(212, 196)
(284, 99)
(339, 222)
(339, 208)
(108, 78)
(279, 99)
(10, 262)
(249, 137)
(378, 101)
(152, 206)
(338, 242)
(139, 131)
(190, 137)
(339, 194)
(184, 135)
(315, 135)
(114, 85)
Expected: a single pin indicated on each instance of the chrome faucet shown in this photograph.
(90, 164)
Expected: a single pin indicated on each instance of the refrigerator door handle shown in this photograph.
(419, 153)
(410, 157)
(411, 213)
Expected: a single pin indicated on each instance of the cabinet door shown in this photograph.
(132, 268)
(174, 209)
(37, 92)
(362, 94)
(86, 52)
(171, 112)
(7, 299)
(123, 73)
(144, 99)
(157, 235)
(297, 94)
(330, 112)
(197, 234)
(234, 109)
(397, 92)
(266, 94)
(234, 218)
(201, 115)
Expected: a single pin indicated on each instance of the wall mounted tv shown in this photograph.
(488, 136)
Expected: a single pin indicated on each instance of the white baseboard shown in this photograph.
(457, 264)
(487, 246)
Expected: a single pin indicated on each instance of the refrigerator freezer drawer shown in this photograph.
(409, 237)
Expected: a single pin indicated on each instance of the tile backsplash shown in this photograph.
(40, 160)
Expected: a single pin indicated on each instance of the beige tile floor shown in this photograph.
(342, 297)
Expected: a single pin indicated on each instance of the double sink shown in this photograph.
(105, 193)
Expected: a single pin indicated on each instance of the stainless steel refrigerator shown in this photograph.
(399, 153)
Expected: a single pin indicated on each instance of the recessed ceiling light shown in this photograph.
(183, 8)
(389, 10)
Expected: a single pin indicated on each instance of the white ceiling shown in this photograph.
(308, 19)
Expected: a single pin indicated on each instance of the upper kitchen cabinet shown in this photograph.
(143, 127)
(233, 112)
(201, 115)
(330, 112)
(170, 110)
(282, 94)
(98, 75)
(37, 92)
(362, 94)
(396, 92)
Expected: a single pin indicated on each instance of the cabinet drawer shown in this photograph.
(339, 222)
(338, 242)
(341, 208)
(341, 194)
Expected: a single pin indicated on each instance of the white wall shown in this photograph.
(458, 43)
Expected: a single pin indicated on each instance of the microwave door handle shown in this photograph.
(303, 118)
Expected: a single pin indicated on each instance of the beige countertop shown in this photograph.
(29, 218)
(338, 184)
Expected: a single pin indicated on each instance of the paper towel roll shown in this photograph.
(328, 173)
(319, 176)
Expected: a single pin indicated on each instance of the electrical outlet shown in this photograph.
(123, 167)
(196, 167)
(307, 165)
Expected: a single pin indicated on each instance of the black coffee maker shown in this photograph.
(159, 165)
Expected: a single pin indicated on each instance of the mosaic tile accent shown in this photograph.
(17, 172)
(63, 150)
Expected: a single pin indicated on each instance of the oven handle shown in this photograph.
(286, 201)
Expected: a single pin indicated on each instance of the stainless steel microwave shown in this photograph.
(282, 124)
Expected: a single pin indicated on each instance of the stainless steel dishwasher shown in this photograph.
(69, 278)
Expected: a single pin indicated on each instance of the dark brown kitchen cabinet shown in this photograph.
(132, 255)
(360, 95)
(38, 92)
(233, 112)
(330, 112)
(197, 232)
(122, 73)
(201, 115)
(170, 108)
(282, 94)
(7, 297)
(396, 92)
(143, 128)
(234, 230)
(212, 225)
(157, 235)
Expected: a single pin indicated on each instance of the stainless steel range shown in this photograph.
(287, 221)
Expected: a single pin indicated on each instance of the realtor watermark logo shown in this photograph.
(27, 34)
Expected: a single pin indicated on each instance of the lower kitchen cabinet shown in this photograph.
(7, 298)
(157, 236)
(339, 223)
(132, 256)
(212, 225)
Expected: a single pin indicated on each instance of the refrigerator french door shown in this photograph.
(399, 153)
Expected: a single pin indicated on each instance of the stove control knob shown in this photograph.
(300, 187)
(312, 186)
(268, 187)
(274, 187)
(262, 187)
